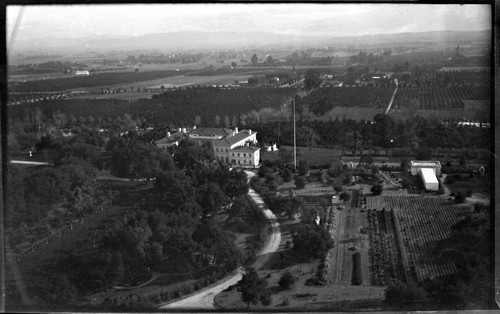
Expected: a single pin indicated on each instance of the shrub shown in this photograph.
(286, 174)
(338, 188)
(270, 177)
(286, 280)
(344, 196)
(266, 298)
(377, 189)
(196, 286)
(303, 167)
(273, 186)
(406, 296)
(441, 188)
(357, 276)
(478, 208)
(459, 198)
(300, 182)
(311, 281)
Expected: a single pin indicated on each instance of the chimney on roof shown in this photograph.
(236, 130)
(168, 133)
(250, 131)
(183, 130)
(180, 129)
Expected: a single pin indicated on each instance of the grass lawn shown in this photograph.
(313, 155)
(301, 296)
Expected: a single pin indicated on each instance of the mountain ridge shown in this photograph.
(203, 40)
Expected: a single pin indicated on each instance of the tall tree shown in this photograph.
(311, 241)
(254, 59)
(311, 79)
(253, 288)
(269, 59)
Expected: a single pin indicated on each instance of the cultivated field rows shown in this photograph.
(422, 226)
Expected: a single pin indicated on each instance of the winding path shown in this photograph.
(204, 299)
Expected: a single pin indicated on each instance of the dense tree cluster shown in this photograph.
(183, 105)
(177, 107)
(289, 205)
(135, 159)
(169, 230)
(311, 241)
(68, 189)
(383, 131)
(311, 79)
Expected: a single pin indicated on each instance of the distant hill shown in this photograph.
(198, 41)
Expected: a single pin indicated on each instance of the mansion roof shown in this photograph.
(229, 141)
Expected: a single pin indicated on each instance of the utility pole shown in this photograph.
(294, 140)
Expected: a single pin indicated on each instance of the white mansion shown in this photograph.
(238, 148)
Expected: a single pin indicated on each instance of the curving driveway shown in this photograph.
(204, 299)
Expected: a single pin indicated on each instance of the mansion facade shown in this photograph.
(238, 148)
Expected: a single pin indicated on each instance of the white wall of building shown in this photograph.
(429, 178)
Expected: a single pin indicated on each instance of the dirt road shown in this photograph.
(204, 299)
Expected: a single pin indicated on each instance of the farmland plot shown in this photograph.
(349, 241)
(422, 228)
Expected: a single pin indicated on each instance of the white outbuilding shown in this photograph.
(431, 183)
(428, 171)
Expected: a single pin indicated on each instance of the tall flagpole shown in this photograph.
(294, 140)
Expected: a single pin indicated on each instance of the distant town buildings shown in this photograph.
(460, 69)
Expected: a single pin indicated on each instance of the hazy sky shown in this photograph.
(305, 19)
